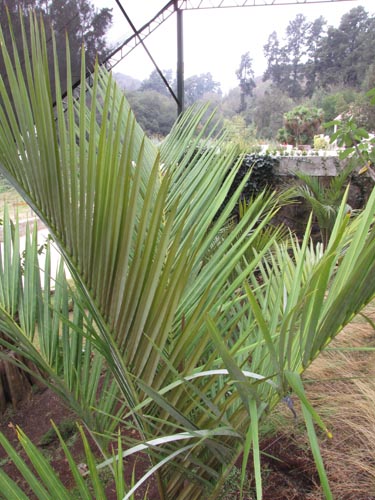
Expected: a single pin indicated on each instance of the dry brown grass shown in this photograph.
(341, 386)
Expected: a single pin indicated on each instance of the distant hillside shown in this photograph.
(127, 82)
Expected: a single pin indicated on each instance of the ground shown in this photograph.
(34, 417)
(289, 471)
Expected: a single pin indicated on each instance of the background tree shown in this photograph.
(345, 53)
(314, 36)
(239, 133)
(358, 28)
(155, 112)
(276, 61)
(333, 102)
(245, 75)
(85, 24)
(330, 59)
(296, 48)
(197, 86)
(369, 80)
(154, 82)
(362, 112)
(127, 82)
(229, 103)
(287, 63)
(79, 18)
(269, 111)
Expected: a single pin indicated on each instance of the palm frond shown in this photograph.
(47, 325)
(200, 347)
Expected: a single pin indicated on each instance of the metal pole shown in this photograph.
(180, 61)
(136, 32)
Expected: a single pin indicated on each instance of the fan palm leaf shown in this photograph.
(131, 231)
(202, 345)
(324, 200)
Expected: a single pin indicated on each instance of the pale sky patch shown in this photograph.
(215, 39)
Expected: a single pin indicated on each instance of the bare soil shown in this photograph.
(34, 417)
(289, 471)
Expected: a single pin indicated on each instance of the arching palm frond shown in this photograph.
(200, 353)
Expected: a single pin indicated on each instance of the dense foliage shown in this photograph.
(155, 112)
(313, 56)
(78, 18)
(263, 172)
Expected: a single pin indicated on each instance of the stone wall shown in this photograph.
(319, 166)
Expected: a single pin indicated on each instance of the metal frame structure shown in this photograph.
(178, 6)
(218, 4)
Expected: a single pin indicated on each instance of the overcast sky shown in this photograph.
(214, 39)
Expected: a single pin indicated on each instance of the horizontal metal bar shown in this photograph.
(217, 4)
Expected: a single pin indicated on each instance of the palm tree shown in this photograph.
(201, 340)
(324, 201)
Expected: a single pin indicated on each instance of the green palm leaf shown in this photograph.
(199, 337)
(38, 325)
(133, 236)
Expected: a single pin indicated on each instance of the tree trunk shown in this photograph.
(15, 383)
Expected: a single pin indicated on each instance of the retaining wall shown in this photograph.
(319, 166)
